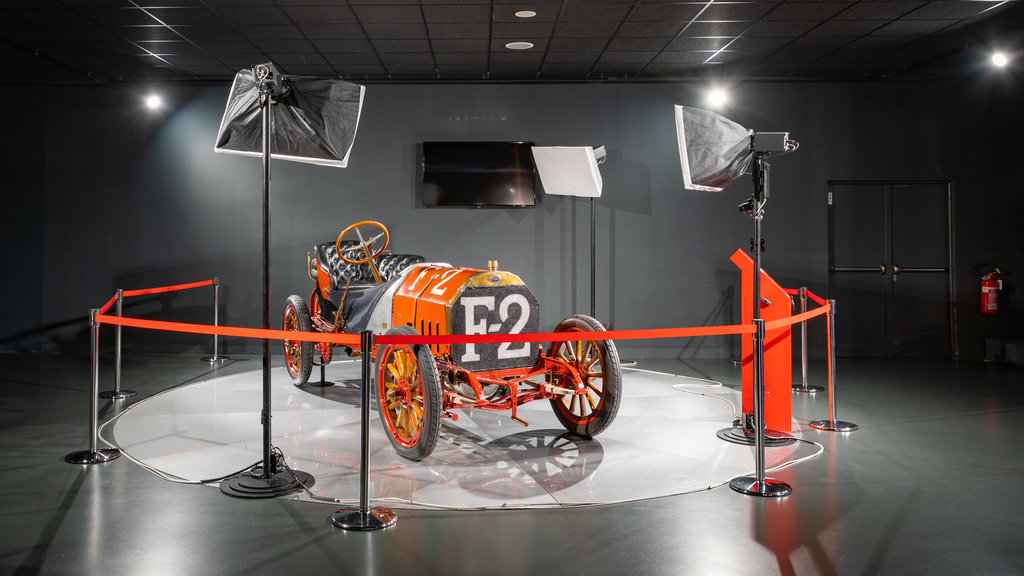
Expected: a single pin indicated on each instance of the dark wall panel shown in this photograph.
(134, 199)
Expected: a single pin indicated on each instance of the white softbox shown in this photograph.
(713, 150)
(568, 170)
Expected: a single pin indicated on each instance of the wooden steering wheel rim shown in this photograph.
(337, 244)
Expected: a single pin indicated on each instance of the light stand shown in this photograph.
(270, 483)
(759, 485)
(573, 171)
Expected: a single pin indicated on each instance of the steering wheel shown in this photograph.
(365, 245)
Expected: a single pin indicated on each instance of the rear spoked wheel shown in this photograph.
(409, 396)
(298, 355)
(589, 413)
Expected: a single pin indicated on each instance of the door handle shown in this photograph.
(880, 269)
(897, 270)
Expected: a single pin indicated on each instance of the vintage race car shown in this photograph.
(359, 286)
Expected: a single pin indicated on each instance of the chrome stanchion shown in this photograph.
(93, 455)
(364, 517)
(758, 485)
(117, 393)
(216, 306)
(804, 388)
(832, 424)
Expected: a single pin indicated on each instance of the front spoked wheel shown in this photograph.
(589, 413)
(409, 396)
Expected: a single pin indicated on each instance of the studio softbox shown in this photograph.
(713, 150)
(569, 170)
(314, 120)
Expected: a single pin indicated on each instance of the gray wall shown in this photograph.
(107, 195)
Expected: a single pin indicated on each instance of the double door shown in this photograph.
(891, 269)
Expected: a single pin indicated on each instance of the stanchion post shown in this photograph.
(832, 424)
(117, 393)
(94, 455)
(803, 387)
(216, 307)
(365, 517)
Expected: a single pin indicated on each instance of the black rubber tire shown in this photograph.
(588, 419)
(408, 385)
(298, 355)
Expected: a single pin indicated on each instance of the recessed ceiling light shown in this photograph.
(525, 14)
(153, 101)
(519, 45)
(999, 59)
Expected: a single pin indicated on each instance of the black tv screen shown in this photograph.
(478, 174)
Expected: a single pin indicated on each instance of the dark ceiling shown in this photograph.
(189, 41)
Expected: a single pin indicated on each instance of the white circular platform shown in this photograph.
(662, 442)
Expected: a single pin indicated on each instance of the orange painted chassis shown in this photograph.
(554, 370)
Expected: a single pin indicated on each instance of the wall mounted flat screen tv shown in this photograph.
(478, 174)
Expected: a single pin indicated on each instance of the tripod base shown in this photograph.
(354, 519)
(770, 488)
(92, 456)
(833, 425)
(745, 436)
(807, 389)
(215, 359)
(245, 485)
(117, 394)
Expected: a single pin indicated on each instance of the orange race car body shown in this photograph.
(418, 385)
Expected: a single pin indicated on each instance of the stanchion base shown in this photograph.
(92, 456)
(833, 425)
(117, 395)
(215, 359)
(807, 389)
(770, 489)
(245, 485)
(354, 519)
(745, 436)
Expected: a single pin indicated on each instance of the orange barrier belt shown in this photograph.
(348, 339)
(162, 289)
(567, 336)
(108, 304)
(776, 324)
(353, 339)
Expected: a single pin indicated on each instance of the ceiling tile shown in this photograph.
(352, 58)
(347, 45)
(459, 30)
(470, 45)
(395, 14)
(597, 12)
(578, 44)
(806, 10)
(638, 44)
(321, 14)
(330, 31)
(585, 29)
(395, 31)
(522, 29)
(407, 45)
(675, 13)
(648, 29)
(877, 10)
(447, 13)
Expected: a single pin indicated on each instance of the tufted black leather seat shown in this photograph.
(340, 272)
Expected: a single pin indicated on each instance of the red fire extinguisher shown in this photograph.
(990, 286)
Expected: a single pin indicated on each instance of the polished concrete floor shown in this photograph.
(930, 484)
